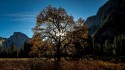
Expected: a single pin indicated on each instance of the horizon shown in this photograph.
(20, 16)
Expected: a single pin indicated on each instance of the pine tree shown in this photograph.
(27, 48)
(13, 50)
(13, 47)
(114, 46)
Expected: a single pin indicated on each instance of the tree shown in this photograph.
(21, 52)
(13, 47)
(27, 48)
(36, 42)
(13, 50)
(80, 38)
(108, 49)
(53, 24)
(119, 44)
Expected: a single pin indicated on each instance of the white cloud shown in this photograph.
(19, 16)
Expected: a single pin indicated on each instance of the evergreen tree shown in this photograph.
(13, 50)
(27, 48)
(13, 47)
(21, 52)
(108, 48)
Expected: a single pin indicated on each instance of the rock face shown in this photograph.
(113, 23)
(17, 38)
(109, 21)
(1, 41)
(90, 23)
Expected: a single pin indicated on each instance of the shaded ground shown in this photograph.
(42, 64)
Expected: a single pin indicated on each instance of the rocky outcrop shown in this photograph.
(17, 39)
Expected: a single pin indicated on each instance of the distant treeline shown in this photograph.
(112, 48)
(14, 52)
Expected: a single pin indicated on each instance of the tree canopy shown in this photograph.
(57, 27)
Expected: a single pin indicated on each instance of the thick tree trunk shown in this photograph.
(58, 52)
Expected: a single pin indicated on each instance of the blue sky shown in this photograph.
(20, 15)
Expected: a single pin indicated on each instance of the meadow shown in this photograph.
(50, 64)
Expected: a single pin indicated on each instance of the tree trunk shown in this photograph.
(58, 52)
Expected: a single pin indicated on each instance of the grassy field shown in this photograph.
(42, 64)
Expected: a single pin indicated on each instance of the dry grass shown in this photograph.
(41, 64)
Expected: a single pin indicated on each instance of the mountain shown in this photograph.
(109, 21)
(17, 39)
